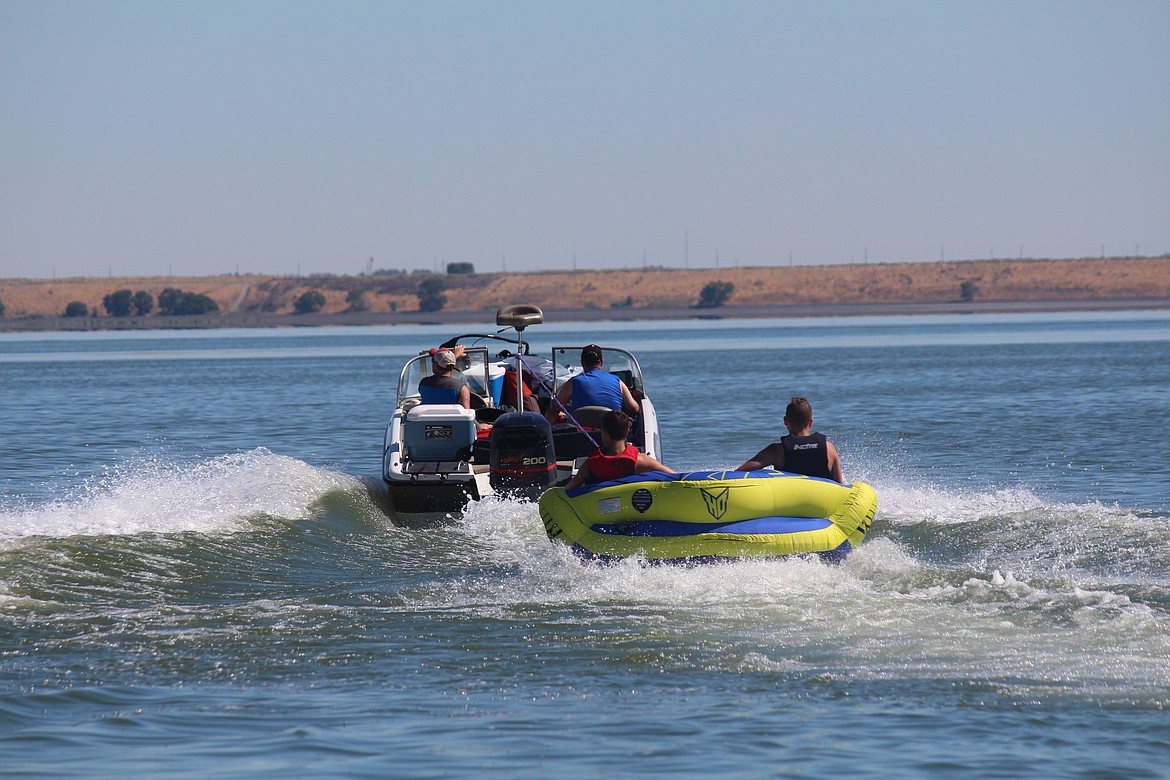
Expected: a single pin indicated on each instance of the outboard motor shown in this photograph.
(523, 461)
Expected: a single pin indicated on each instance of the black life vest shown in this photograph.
(807, 455)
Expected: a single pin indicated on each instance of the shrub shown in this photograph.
(1, 308)
(460, 268)
(430, 294)
(968, 290)
(117, 304)
(309, 302)
(76, 309)
(143, 302)
(358, 300)
(175, 301)
(714, 294)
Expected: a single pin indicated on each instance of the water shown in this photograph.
(197, 574)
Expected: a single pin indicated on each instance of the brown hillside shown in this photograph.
(999, 280)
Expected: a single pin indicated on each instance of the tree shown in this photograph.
(117, 304)
(430, 294)
(143, 303)
(76, 309)
(175, 301)
(357, 300)
(968, 289)
(714, 294)
(460, 268)
(168, 299)
(1, 308)
(309, 302)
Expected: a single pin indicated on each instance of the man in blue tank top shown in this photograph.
(800, 452)
(440, 387)
(594, 387)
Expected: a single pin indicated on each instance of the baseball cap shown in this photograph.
(444, 358)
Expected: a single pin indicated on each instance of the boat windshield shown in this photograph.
(484, 379)
(615, 360)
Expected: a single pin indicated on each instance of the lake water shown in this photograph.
(198, 578)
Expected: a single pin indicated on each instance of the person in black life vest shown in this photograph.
(615, 458)
(800, 452)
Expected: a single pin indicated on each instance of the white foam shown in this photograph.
(215, 496)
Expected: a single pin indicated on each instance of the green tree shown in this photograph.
(1, 308)
(117, 304)
(175, 301)
(358, 300)
(430, 294)
(460, 268)
(76, 309)
(714, 294)
(143, 303)
(309, 302)
(968, 289)
(168, 299)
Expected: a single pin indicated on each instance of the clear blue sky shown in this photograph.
(169, 137)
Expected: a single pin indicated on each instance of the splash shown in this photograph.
(220, 495)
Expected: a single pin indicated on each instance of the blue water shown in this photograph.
(198, 576)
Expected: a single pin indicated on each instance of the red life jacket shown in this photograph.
(606, 467)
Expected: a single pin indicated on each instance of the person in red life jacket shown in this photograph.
(615, 458)
(509, 392)
(800, 452)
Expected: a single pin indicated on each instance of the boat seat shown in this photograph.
(590, 416)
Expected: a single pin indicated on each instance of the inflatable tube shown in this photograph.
(711, 515)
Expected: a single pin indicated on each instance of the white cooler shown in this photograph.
(439, 432)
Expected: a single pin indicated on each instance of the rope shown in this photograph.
(557, 401)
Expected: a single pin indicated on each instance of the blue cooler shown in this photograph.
(496, 380)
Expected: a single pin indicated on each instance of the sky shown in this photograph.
(165, 137)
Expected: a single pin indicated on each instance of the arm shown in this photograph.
(772, 455)
(629, 405)
(646, 463)
(464, 397)
(579, 478)
(834, 462)
(563, 395)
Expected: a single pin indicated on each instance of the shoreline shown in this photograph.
(253, 301)
(615, 314)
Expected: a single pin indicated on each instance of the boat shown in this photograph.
(437, 457)
(710, 515)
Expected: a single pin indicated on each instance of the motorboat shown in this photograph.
(437, 457)
(710, 515)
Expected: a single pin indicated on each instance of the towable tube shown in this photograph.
(711, 515)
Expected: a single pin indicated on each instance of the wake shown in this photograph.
(225, 494)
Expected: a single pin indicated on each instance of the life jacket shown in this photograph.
(596, 387)
(606, 467)
(436, 389)
(806, 455)
(509, 393)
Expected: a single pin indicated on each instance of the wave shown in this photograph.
(222, 495)
(894, 610)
